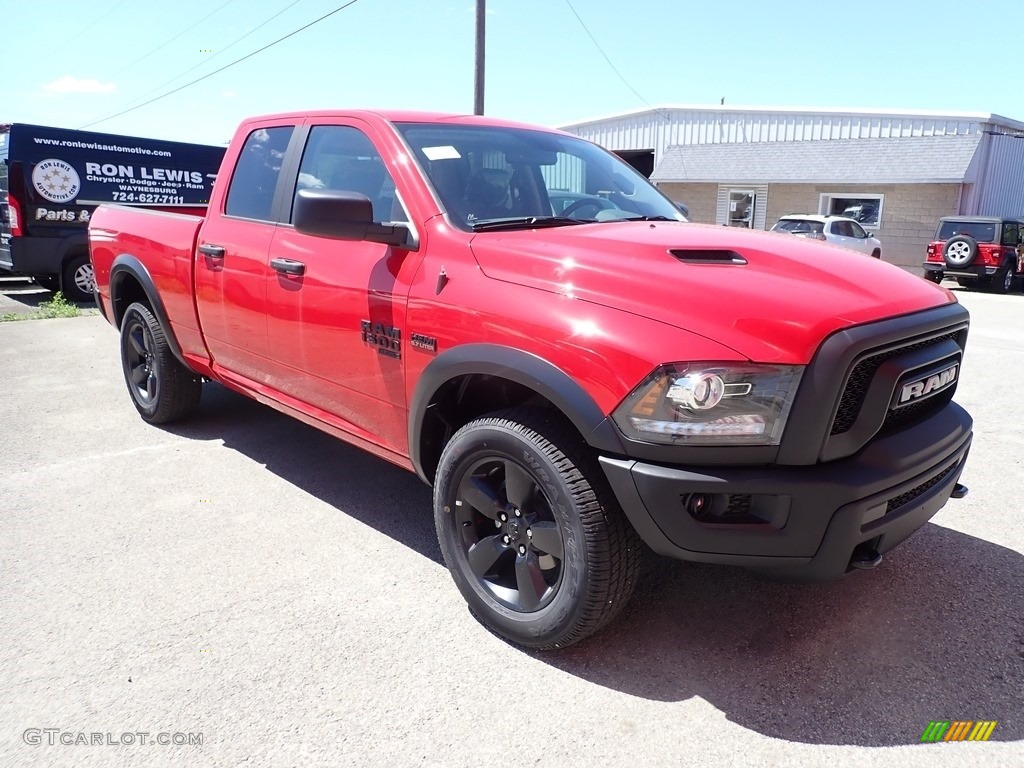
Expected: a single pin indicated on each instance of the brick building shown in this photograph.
(895, 172)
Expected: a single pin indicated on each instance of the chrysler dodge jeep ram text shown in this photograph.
(573, 378)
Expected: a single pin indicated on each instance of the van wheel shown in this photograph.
(531, 531)
(876, 254)
(162, 389)
(79, 279)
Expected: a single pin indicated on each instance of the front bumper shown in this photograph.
(802, 523)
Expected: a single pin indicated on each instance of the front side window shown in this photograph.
(1010, 235)
(864, 209)
(342, 158)
(856, 230)
(251, 194)
(485, 176)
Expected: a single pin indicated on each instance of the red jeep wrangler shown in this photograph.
(982, 251)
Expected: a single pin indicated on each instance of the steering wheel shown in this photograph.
(572, 208)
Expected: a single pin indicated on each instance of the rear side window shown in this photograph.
(982, 231)
(799, 226)
(251, 194)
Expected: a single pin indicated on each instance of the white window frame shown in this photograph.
(825, 204)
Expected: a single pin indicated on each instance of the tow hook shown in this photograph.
(865, 557)
(959, 491)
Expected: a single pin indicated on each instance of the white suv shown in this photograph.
(838, 230)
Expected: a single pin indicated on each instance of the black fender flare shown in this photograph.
(519, 366)
(127, 265)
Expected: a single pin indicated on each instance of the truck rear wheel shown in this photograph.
(531, 531)
(162, 389)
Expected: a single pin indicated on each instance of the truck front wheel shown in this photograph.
(162, 389)
(530, 529)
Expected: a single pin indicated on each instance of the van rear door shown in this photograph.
(5, 221)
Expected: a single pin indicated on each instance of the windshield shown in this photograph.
(982, 231)
(799, 226)
(490, 173)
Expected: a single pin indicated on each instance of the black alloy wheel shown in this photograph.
(509, 534)
(161, 388)
(530, 529)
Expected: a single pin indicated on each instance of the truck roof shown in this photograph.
(401, 116)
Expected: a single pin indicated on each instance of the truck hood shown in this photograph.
(776, 307)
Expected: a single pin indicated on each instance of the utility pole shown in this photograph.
(478, 80)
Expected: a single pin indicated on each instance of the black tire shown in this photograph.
(959, 251)
(538, 591)
(162, 389)
(876, 254)
(969, 283)
(1002, 281)
(50, 282)
(935, 277)
(78, 279)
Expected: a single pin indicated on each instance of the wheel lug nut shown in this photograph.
(506, 539)
(522, 549)
(519, 513)
(503, 517)
(497, 523)
(529, 532)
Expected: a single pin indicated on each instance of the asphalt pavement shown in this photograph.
(247, 582)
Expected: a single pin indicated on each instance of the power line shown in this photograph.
(614, 69)
(168, 42)
(95, 21)
(206, 61)
(226, 66)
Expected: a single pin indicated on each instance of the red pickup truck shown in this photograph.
(575, 379)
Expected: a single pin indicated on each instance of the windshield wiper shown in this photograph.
(528, 222)
(645, 218)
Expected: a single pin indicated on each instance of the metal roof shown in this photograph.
(665, 112)
(906, 160)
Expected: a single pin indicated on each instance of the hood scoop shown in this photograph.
(705, 256)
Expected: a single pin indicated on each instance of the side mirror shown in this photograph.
(345, 216)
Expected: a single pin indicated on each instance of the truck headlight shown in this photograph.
(711, 404)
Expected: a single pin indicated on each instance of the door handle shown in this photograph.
(213, 251)
(288, 267)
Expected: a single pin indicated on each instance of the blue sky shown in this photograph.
(74, 62)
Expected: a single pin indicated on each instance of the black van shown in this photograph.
(51, 180)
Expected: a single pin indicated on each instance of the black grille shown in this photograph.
(913, 493)
(860, 379)
(900, 416)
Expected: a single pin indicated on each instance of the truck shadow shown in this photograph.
(936, 633)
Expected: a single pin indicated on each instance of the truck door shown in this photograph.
(336, 309)
(231, 263)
